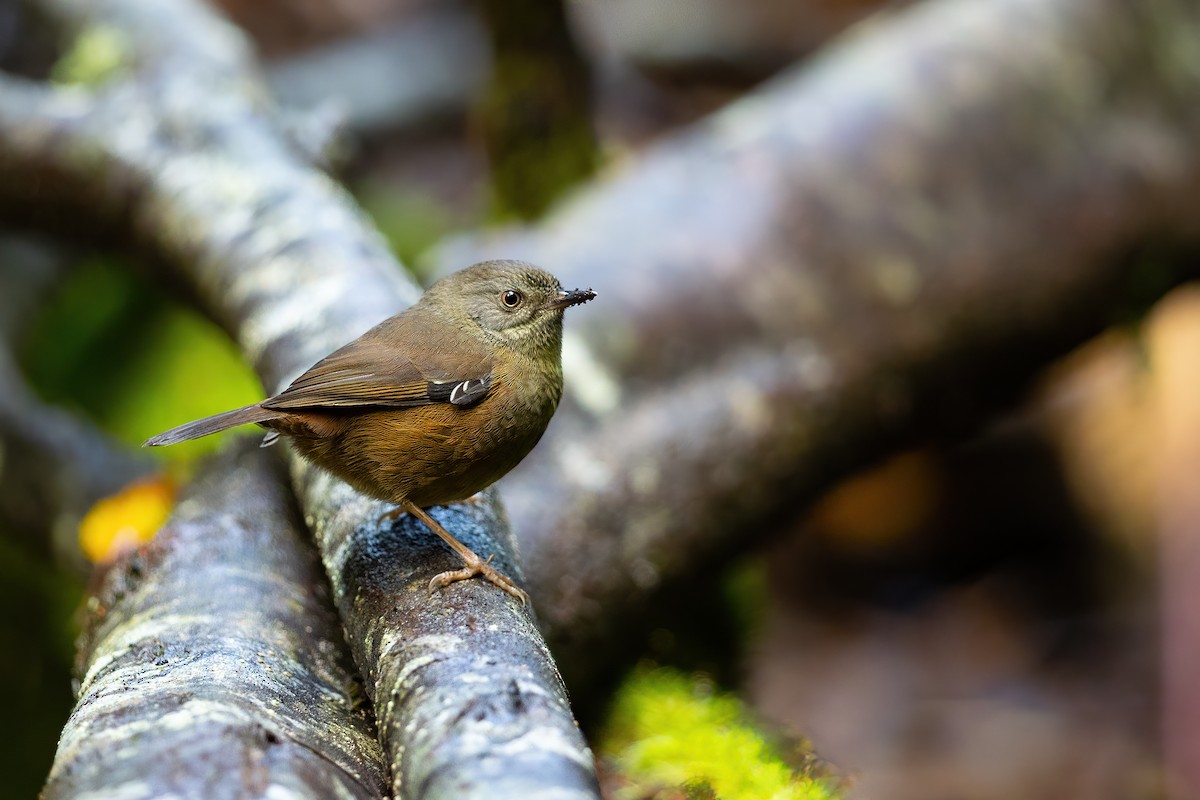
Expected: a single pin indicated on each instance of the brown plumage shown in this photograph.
(433, 404)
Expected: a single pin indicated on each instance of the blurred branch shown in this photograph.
(29, 270)
(53, 464)
(397, 77)
(889, 241)
(536, 113)
(212, 659)
(722, 39)
(176, 149)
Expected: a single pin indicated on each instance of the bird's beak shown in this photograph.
(572, 298)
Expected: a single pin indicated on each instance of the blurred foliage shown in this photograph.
(411, 220)
(36, 636)
(126, 354)
(706, 627)
(100, 52)
(1152, 269)
(880, 509)
(535, 117)
(745, 595)
(668, 730)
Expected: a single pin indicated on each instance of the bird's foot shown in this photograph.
(391, 515)
(478, 566)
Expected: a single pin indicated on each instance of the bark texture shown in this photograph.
(177, 149)
(212, 664)
(888, 240)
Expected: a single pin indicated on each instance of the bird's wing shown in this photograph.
(374, 370)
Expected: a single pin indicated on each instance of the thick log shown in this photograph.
(212, 663)
(886, 241)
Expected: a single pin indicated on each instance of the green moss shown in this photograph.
(99, 53)
(670, 729)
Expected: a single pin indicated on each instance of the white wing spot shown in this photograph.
(456, 394)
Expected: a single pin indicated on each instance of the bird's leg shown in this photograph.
(474, 564)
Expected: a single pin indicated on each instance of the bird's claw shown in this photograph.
(483, 568)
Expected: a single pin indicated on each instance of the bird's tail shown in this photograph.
(213, 424)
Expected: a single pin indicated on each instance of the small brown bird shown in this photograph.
(434, 404)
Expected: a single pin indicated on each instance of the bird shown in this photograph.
(432, 405)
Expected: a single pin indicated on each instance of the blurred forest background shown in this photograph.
(992, 606)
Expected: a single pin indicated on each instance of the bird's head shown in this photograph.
(515, 303)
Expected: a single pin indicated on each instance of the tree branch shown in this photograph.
(212, 661)
(889, 240)
(186, 152)
(435, 61)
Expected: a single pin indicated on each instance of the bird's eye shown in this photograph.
(511, 298)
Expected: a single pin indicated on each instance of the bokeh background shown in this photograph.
(982, 614)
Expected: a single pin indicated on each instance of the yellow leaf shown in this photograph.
(127, 519)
